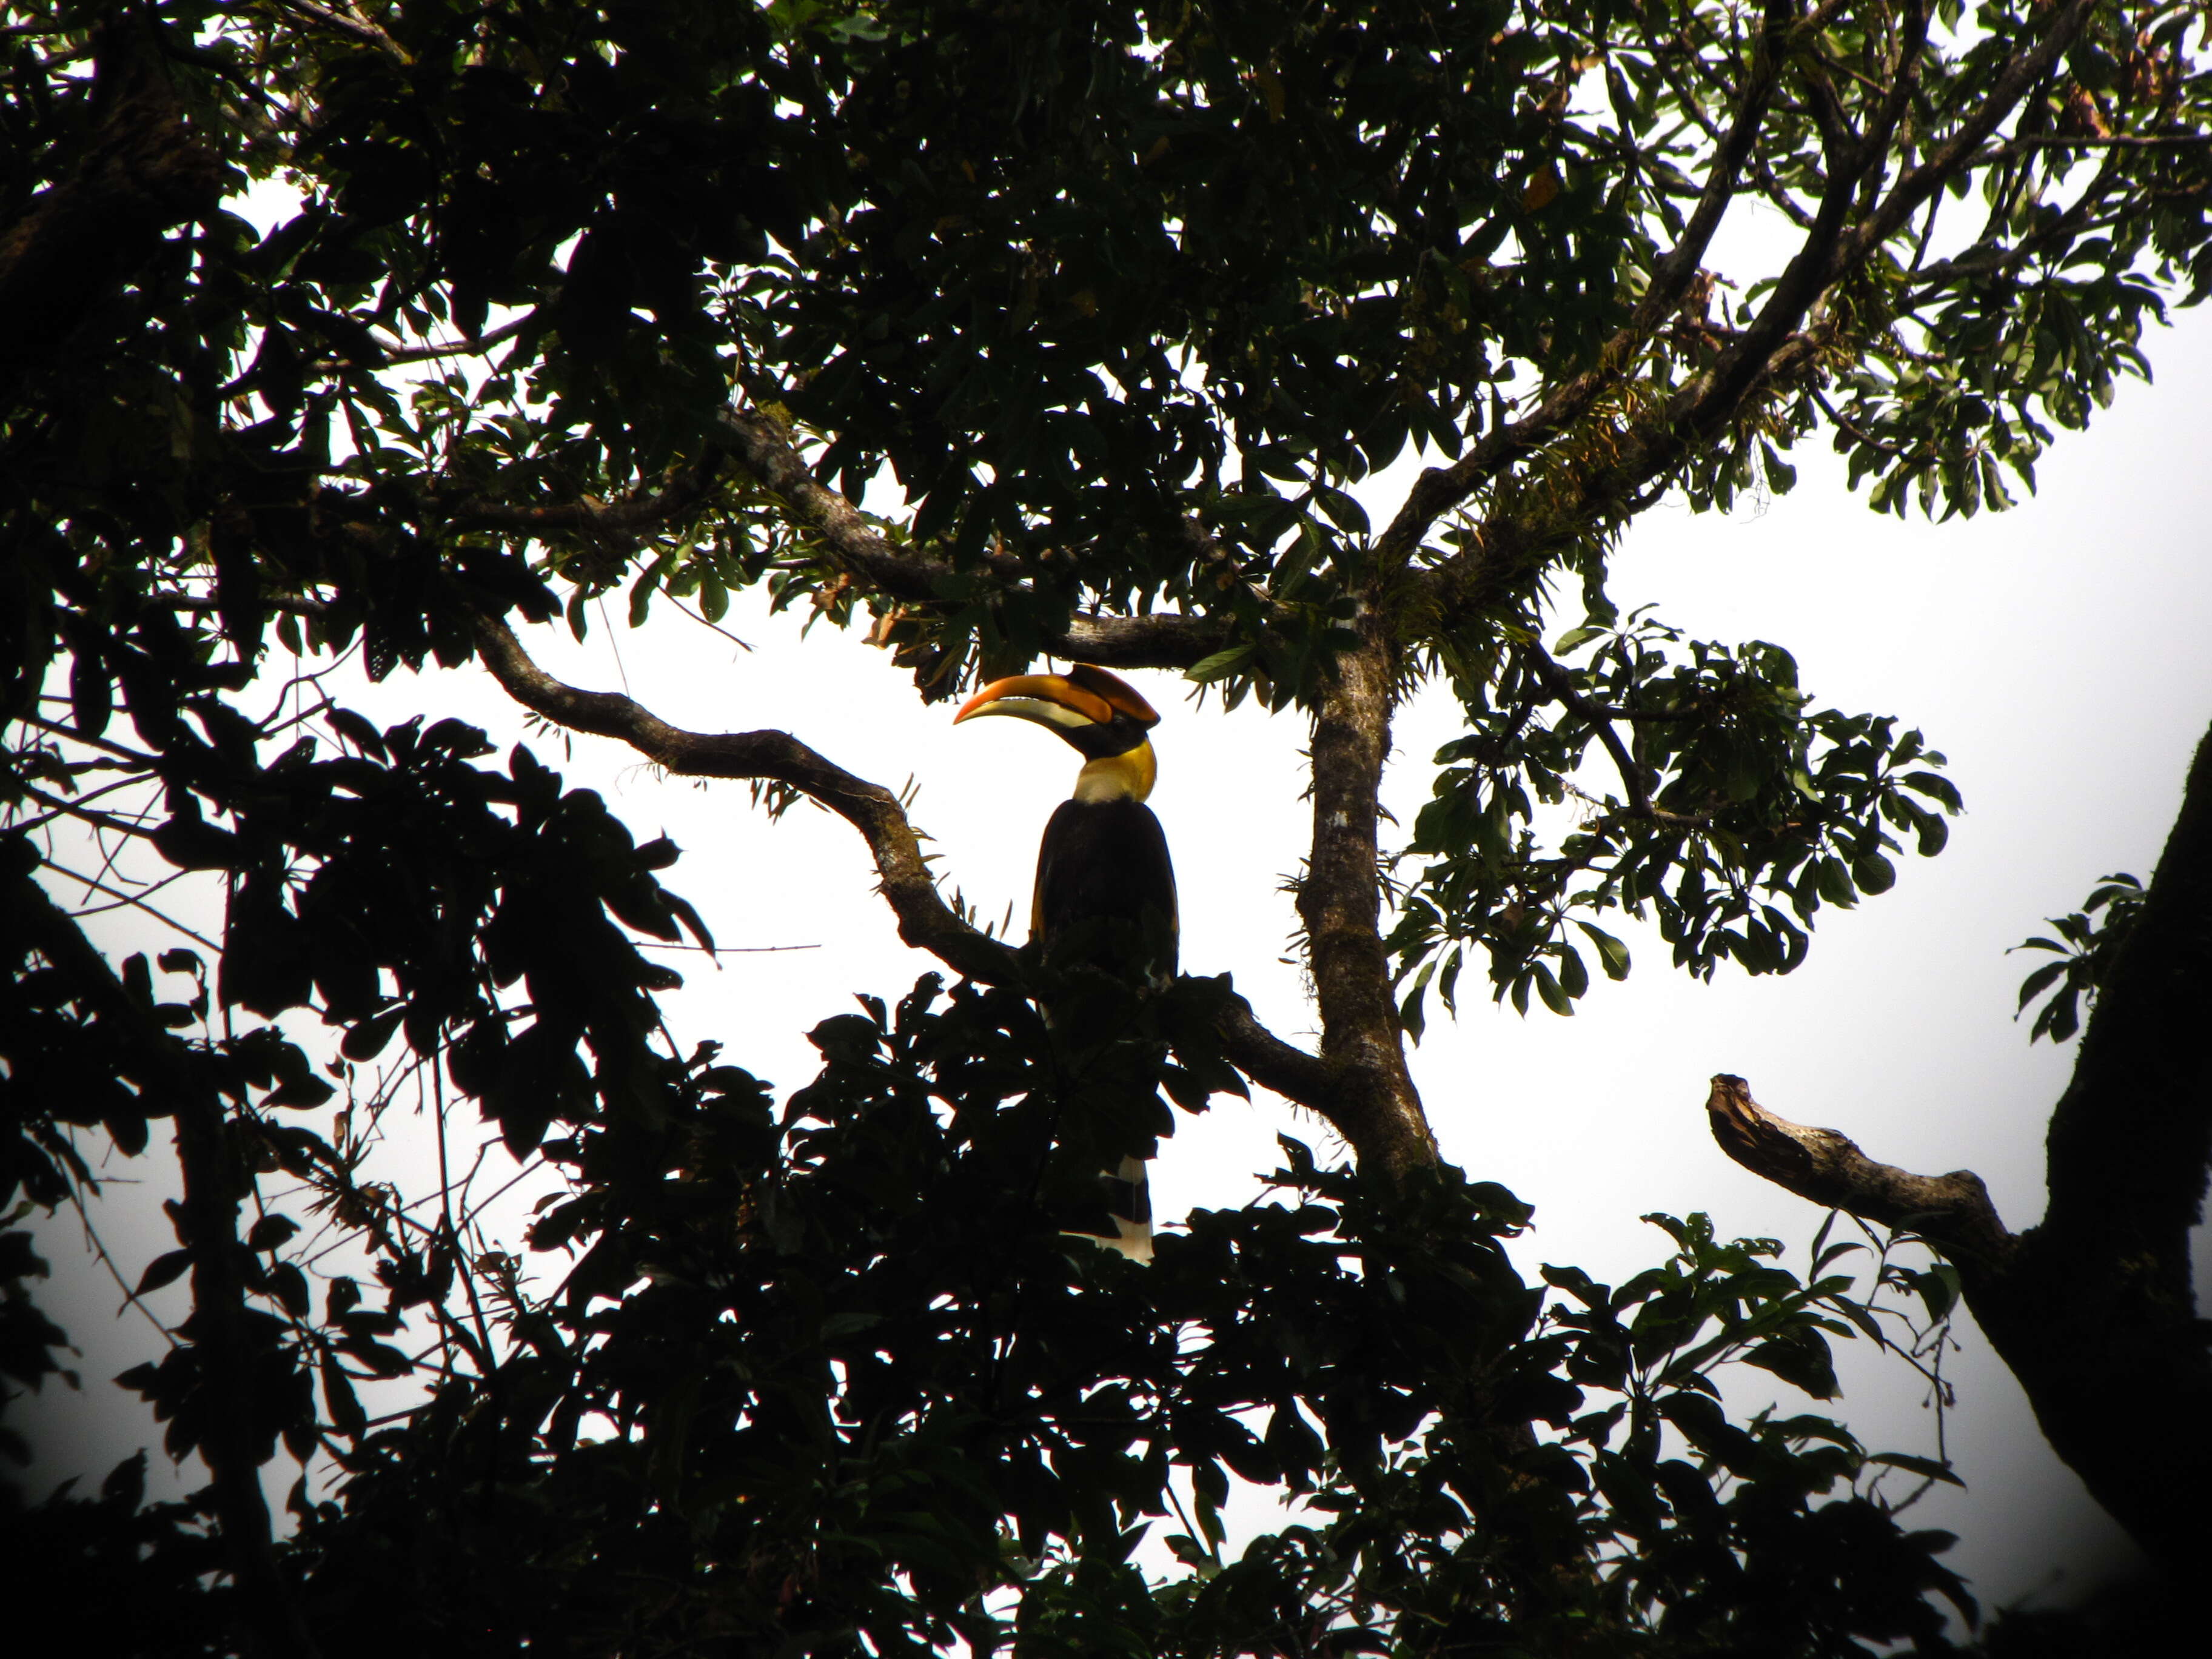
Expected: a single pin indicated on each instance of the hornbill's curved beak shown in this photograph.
(1084, 699)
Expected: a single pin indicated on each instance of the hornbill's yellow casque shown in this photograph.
(1102, 870)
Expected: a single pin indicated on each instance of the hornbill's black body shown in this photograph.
(1106, 862)
(1105, 893)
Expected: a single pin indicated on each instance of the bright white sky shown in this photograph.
(2056, 654)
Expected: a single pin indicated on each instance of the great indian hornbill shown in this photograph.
(1105, 890)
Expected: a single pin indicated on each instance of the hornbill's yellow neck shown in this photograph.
(1128, 775)
(1099, 715)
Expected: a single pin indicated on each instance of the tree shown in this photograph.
(1119, 303)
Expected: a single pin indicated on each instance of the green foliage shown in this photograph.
(832, 1375)
(1737, 800)
(2088, 942)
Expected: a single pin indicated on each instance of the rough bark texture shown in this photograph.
(1952, 1210)
(1340, 903)
(2094, 1309)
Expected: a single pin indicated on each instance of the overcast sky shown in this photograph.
(2056, 654)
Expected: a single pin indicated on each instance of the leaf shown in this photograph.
(1612, 954)
(164, 1269)
(1548, 987)
(1801, 1357)
(1922, 1466)
(1936, 787)
(1344, 512)
(270, 1231)
(1221, 664)
(367, 1039)
(340, 1400)
(1873, 873)
(2034, 985)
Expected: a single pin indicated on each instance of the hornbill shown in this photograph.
(1105, 887)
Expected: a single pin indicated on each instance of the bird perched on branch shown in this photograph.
(1105, 892)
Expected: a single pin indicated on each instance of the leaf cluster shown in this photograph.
(1734, 813)
(2087, 942)
(832, 1374)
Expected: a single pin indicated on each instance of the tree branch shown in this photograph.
(2012, 84)
(2094, 1310)
(1438, 489)
(1340, 903)
(350, 23)
(630, 517)
(765, 451)
(1776, 346)
(395, 353)
(2132, 1137)
(925, 921)
(1952, 1210)
(1274, 1064)
(142, 172)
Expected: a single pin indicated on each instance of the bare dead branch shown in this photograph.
(1951, 1210)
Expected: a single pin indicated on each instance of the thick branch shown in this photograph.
(1438, 489)
(1340, 903)
(2113, 1361)
(2132, 1137)
(1274, 1064)
(763, 449)
(1779, 346)
(1951, 1210)
(1706, 401)
(2012, 84)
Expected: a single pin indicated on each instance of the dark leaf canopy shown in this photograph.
(1319, 352)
